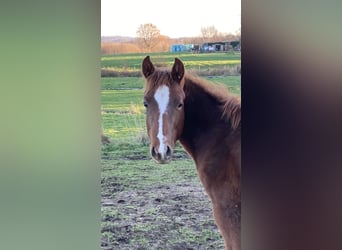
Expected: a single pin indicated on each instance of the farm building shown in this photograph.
(181, 47)
(206, 47)
(220, 46)
(215, 46)
(177, 48)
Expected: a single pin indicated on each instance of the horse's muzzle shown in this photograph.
(162, 157)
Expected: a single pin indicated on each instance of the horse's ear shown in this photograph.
(147, 67)
(177, 70)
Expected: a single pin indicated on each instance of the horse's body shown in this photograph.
(206, 121)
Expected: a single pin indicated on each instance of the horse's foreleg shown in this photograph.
(228, 222)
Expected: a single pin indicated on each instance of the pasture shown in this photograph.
(145, 205)
(202, 64)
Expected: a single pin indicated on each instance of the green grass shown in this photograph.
(122, 83)
(203, 60)
(123, 115)
(130, 171)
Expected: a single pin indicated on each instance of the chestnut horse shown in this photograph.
(206, 121)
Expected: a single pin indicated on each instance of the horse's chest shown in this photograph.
(220, 180)
(210, 175)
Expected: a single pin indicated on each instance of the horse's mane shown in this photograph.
(229, 104)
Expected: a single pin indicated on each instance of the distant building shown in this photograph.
(196, 48)
(206, 47)
(177, 48)
(184, 47)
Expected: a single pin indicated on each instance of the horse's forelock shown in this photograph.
(158, 78)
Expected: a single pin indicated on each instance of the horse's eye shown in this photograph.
(145, 104)
(180, 106)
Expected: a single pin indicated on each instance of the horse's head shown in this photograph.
(164, 102)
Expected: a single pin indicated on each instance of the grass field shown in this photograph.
(190, 60)
(146, 205)
(202, 63)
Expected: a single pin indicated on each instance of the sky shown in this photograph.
(175, 18)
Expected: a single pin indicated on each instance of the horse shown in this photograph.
(206, 120)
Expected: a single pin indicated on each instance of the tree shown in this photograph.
(238, 34)
(164, 44)
(148, 36)
(209, 34)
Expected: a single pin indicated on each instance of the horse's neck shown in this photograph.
(203, 120)
(211, 141)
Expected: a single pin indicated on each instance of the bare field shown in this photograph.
(150, 206)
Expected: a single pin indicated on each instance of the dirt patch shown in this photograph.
(157, 216)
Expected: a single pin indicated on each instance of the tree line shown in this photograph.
(149, 39)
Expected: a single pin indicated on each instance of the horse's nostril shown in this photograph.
(153, 152)
(168, 152)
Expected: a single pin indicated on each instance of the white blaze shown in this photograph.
(162, 98)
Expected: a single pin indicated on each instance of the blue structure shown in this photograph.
(177, 48)
(206, 47)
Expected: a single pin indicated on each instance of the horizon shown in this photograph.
(225, 17)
